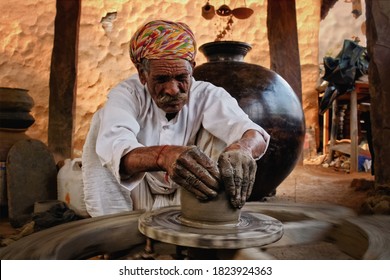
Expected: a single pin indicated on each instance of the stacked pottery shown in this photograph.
(267, 99)
(15, 119)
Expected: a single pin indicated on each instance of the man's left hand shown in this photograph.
(238, 172)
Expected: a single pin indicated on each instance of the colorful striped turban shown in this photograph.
(162, 39)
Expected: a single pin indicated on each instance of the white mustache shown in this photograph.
(168, 98)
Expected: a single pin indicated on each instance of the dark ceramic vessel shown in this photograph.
(267, 99)
(15, 106)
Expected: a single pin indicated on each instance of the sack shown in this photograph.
(342, 71)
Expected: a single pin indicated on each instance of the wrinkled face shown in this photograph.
(169, 83)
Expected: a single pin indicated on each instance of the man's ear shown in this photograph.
(141, 74)
(193, 64)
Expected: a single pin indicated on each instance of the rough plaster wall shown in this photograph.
(340, 18)
(26, 32)
(308, 13)
(103, 54)
(26, 40)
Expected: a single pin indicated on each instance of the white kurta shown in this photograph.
(131, 119)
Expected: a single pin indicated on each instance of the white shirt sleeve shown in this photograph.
(118, 130)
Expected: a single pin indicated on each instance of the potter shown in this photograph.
(162, 131)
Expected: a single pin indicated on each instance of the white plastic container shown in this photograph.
(70, 186)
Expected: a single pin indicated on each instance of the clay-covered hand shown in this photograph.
(196, 172)
(238, 173)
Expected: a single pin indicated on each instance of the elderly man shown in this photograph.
(161, 130)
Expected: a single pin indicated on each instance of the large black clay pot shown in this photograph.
(267, 99)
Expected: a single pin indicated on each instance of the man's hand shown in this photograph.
(238, 173)
(187, 166)
(196, 172)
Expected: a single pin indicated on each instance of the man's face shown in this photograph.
(169, 83)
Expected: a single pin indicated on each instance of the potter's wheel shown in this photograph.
(252, 230)
(306, 228)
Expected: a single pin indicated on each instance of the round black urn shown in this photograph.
(267, 99)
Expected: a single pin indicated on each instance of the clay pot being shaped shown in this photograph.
(215, 212)
(267, 99)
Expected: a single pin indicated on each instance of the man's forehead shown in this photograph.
(169, 67)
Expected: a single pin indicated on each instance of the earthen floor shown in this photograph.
(319, 185)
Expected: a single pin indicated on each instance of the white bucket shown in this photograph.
(70, 186)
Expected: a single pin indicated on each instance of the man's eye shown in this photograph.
(182, 78)
(162, 80)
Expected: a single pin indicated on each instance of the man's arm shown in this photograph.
(238, 167)
(187, 166)
(252, 141)
(141, 159)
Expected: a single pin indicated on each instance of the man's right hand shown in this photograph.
(194, 171)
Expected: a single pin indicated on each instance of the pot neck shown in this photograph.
(225, 50)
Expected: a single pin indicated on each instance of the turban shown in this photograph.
(162, 39)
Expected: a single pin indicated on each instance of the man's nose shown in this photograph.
(171, 88)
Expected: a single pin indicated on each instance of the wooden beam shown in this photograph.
(283, 42)
(378, 45)
(353, 124)
(63, 81)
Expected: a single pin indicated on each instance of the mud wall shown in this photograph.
(27, 27)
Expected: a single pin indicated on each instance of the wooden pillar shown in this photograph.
(325, 132)
(333, 132)
(63, 73)
(353, 124)
(283, 42)
(378, 45)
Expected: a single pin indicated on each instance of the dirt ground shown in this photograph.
(317, 184)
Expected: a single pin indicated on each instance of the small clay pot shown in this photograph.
(242, 12)
(208, 11)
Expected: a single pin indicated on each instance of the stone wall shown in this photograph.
(26, 32)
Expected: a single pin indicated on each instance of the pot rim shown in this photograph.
(228, 43)
(225, 50)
